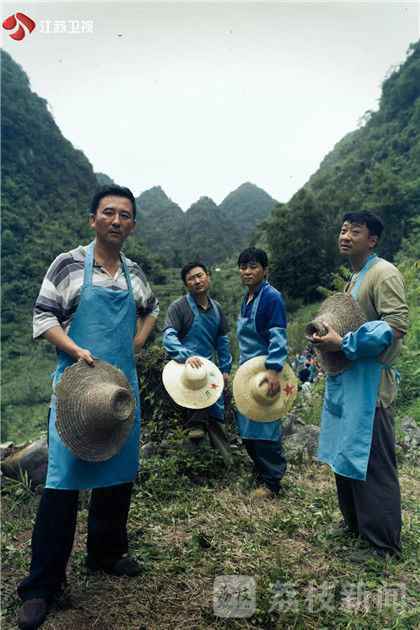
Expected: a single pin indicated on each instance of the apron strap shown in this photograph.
(371, 261)
(87, 276)
(216, 311)
(192, 304)
(127, 276)
(88, 273)
(255, 304)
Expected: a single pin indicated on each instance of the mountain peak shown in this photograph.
(203, 202)
(155, 194)
(246, 206)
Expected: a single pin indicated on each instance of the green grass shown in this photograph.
(187, 533)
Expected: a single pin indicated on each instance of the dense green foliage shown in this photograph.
(45, 192)
(376, 168)
(408, 260)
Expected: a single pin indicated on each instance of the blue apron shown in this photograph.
(201, 339)
(104, 323)
(252, 344)
(349, 410)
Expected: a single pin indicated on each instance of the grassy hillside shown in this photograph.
(191, 522)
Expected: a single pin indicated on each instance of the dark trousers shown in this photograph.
(372, 508)
(53, 536)
(269, 461)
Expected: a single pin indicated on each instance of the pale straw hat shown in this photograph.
(191, 387)
(95, 410)
(250, 391)
(342, 313)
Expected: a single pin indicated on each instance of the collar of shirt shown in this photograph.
(209, 307)
(83, 251)
(115, 276)
(256, 292)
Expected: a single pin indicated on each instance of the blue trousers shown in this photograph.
(53, 536)
(269, 461)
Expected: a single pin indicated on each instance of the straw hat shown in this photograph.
(342, 313)
(250, 391)
(95, 410)
(194, 388)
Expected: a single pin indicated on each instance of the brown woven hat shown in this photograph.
(95, 410)
(250, 391)
(343, 313)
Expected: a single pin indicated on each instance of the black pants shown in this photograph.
(53, 536)
(269, 461)
(372, 508)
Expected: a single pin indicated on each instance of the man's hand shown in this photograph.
(331, 342)
(62, 341)
(84, 354)
(273, 379)
(195, 362)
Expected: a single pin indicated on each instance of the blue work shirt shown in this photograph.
(271, 311)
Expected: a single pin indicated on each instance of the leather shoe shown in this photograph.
(125, 566)
(32, 613)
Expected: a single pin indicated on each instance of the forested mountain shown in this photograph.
(46, 189)
(103, 179)
(206, 231)
(376, 168)
(209, 235)
(246, 207)
(160, 224)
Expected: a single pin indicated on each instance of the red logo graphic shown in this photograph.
(289, 389)
(17, 20)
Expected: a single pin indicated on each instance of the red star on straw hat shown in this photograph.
(289, 389)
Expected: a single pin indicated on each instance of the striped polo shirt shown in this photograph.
(59, 296)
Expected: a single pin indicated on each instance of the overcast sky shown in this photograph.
(201, 97)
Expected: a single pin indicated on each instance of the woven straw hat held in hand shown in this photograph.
(250, 391)
(191, 387)
(95, 410)
(342, 313)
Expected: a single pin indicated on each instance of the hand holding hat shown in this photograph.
(253, 393)
(95, 410)
(193, 387)
(340, 313)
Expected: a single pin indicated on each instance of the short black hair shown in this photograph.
(373, 223)
(187, 268)
(253, 254)
(117, 191)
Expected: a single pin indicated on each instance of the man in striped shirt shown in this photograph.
(109, 310)
(60, 292)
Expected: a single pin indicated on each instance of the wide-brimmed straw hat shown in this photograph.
(95, 410)
(250, 391)
(342, 313)
(191, 387)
